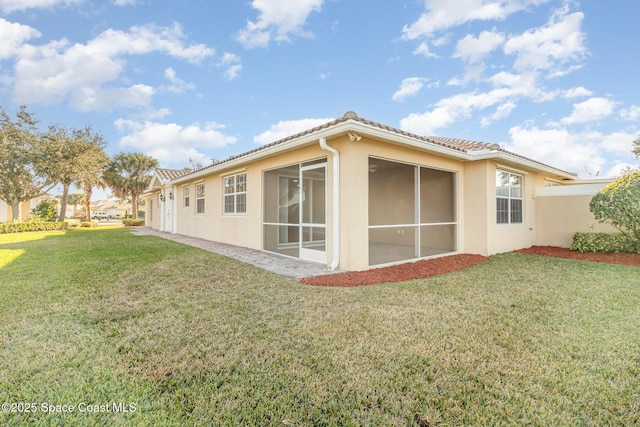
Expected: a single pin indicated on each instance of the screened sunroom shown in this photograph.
(412, 211)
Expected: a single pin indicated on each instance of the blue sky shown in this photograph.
(550, 79)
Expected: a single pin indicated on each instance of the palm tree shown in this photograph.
(128, 175)
(75, 199)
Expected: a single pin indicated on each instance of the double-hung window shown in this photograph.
(509, 200)
(185, 196)
(200, 198)
(235, 194)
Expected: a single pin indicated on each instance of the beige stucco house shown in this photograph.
(6, 213)
(355, 194)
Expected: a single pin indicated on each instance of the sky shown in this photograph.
(554, 80)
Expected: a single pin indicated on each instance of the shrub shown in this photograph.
(88, 224)
(603, 242)
(619, 205)
(33, 224)
(133, 222)
(45, 211)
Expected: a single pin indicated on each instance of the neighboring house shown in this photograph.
(354, 194)
(113, 208)
(6, 214)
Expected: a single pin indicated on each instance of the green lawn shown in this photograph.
(102, 317)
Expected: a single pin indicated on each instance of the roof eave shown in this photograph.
(523, 162)
(357, 126)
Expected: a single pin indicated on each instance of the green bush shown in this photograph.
(618, 204)
(602, 242)
(133, 222)
(33, 224)
(88, 224)
(45, 211)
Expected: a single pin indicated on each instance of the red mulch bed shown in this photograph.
(624, 258)
(397, 273)
(447, 264)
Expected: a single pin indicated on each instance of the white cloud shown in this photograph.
(503, 111)
(577, 92)
(592, 109)
(177, 85)
(462, 106)
(423, 49)
(125, 2)
(111, 98)
(441, 15)
(13, 36)
(473, 49)
(230, 62)
(557, 147)
(409, 87)
(549, 46)
(632, 113)
(278, 20)
(57, 71)
(618, 169)
(287, 128)
(171, 143)
(580, 152)
(16, 5)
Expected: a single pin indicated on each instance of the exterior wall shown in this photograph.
(482, 234)
(509, 237)
(4, 217)
(354, 191)
(240, 229)
(152, 211)
(546, 220)
(6, 213)
(558, 217)
(475, 218)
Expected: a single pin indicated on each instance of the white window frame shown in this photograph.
(510, 198)
(200, 196)
(186, 199)
(235, 190)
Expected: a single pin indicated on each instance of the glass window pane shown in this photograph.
(502, 184)
(391, 193)
(516, 211)
(392, 244)
(228, 204)
(241, 203)
(516, 186)
(502, 211)
(241, 182)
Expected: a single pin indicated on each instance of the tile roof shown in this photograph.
(170, 174)
(461, 145)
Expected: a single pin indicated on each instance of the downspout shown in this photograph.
(174, 216)
(336, 202)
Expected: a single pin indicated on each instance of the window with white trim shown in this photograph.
(200, 198)
(509, 200)
(235, 194)
(185, 196)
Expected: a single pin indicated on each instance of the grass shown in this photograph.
(102, 317)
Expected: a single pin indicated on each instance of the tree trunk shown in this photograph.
(63, 202)
(88, 190)
(16, 206)
(134, 206)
